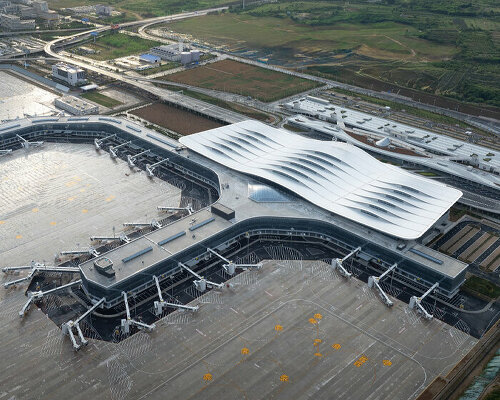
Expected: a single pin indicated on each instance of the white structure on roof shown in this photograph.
(338, 177)
(422, 157)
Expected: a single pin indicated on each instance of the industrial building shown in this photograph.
(72, 75)
(177, 53)
(150, 58)
(37, 9)
(75, 105)
(102, 9)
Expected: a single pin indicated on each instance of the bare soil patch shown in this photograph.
(175, 119)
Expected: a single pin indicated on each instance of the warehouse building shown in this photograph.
(150, 58)
(176, 53)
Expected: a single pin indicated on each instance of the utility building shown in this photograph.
(73, 75)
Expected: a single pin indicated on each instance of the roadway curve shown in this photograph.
(75, 38)
(143, 83)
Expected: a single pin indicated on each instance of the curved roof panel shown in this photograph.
(338, 177)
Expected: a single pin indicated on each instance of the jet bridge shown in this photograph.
(112, 150)
(36, 296)
(131, 159)
(99, 142)
(122, 238)
(338, 263)
(26, 144)
(160, 305)
(67, 327)
(34, 268)
(128, 322)
(201, 284)
(79, 252)
(150, 168)
(189, 209)
(374, 281)
(416, 302)
(230, 267)
(153, 224)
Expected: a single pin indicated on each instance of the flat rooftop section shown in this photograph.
(73, 69)
(292, 330)
(440, 262)
(144, 252)
(76, 102)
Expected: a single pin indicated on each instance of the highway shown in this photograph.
(483, 123)
(142, 83)
(492, 126)
(486, 124)
(31, 32)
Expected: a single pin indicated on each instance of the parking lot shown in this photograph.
(473, 242)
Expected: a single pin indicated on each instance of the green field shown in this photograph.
(445, 48)
(164, 67)
(142, 8)
(482, 286)
(101, 99)
(387, 40)
(116, 45)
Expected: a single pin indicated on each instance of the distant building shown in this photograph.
(76, 106)
(14, 23)
(82, 10)
(176, 52)
(87, 50)
(69, 74)
(88, 88)
(6, 7)
(149, 58)
(49, 16)
(167, 52)
(104, 10)
(40, 6)
(27, 12)
(39, 9)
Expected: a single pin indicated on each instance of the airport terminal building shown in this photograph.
(332, 194)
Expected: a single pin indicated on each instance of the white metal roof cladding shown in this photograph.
(335, 176)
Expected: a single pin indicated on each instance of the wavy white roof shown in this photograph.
(338, 177)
